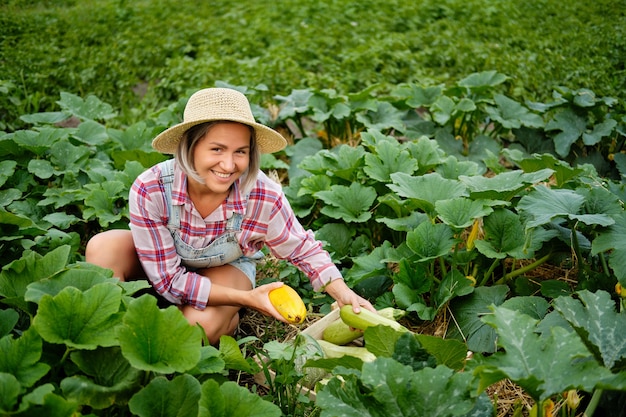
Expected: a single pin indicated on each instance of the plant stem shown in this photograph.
(524, 269)
(593, 403)
(489, 272)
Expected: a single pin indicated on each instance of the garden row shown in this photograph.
(428, 198)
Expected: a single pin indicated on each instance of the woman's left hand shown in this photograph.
(344, 295)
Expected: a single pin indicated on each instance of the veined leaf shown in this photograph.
(81, 277)
(314, 183)
(600, 130)
(571, 127)
(82, 320)
(613, 240)
(542, 366)
(350, 204)
(504, 236)
(388, 158)
(7, 168)
(158, 340)
(112, 379)
(232, 400)
(232, 356)
(10, 390)
(544, 204)
(67, 157)
(32, 267)
(21, 357)
(419, 96)
(426, 190)
(512, 115)
(389, 388)
(91, 133)
(480, 80)
(91, 108)
(427, 153)
(503, 186)
(468, 311)
(460, 213)
(385, 117)
(563, 171)
(601, 328)
(430, 241)
(451, 168)
(8, 320)
(38, 142)
(164, 398)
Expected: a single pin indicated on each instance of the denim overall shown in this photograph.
(223, 250)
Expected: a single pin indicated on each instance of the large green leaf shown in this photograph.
(82, 320)
(512, 115)
(232, 400)
(80, 276)
(388, 158)
(460, 213)
(111, 378)
(427, 153)
(350, 204)
(164, 398)
(542, 366)
(158, 340)
(388, 388)
(481, 80)
(544, 204)
(430, 241)
(613, 240)
(21, 357)
(91, 108)
(427, 189)
(563, 172)
(232, 355)
(32, 267)
(503, 186)
(467, 313)
(570, 126)
(385, 117)
(504, 236)
(594, 318)
(8, 319)
(10, 390)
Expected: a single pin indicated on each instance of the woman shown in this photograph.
(198, 222)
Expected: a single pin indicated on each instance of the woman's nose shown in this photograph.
(228, 162)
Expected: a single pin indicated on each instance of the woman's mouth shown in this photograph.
(222, 174)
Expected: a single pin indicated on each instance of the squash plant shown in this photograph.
(77, 339)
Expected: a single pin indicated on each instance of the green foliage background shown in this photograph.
(122, 51)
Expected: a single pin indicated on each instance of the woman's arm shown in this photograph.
(155, 246)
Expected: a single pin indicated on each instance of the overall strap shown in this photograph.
(167, 179)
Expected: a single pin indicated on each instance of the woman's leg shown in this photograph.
(219, 320)
(115, 250)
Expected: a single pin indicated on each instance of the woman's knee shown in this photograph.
(216, 321)
(115, 250)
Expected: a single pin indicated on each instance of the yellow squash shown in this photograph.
(288, 303)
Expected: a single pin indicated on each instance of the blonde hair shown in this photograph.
(185, 150)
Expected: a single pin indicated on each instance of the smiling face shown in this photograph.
(221, 157)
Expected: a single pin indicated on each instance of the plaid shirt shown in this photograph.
(268, 220)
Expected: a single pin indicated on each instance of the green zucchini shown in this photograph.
(339, 333)
(366, 319)
(332, 350)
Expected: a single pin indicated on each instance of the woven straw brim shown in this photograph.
(268, 140)
(218, 104)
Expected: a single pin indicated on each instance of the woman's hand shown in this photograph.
(344, 295)
(259, 300)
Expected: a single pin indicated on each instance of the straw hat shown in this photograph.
(213, 104)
